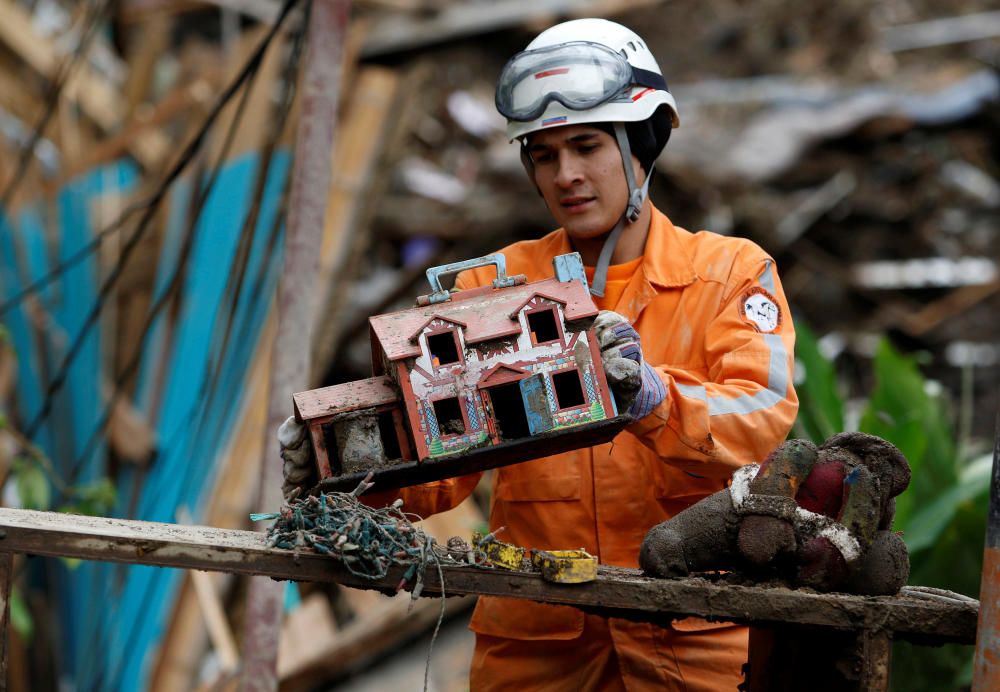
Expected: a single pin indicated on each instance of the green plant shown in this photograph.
(943, 512)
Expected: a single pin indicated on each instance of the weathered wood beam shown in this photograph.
(98, 98)
(923, 615)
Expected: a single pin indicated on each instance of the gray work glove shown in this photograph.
(637, 387)
(297, 454)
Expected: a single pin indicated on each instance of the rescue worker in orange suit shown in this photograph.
(696, 340)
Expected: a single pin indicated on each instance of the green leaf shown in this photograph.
(926, 525)
(32, 485)
(821, 408)
(96, 498)
(20, 616)
(901, 411)
(71, 563)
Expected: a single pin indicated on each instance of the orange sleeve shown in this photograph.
(747, 404)
(428, 498)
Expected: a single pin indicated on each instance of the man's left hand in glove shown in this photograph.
(297, 454)
(636, 385)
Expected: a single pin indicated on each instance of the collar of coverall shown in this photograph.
(665, 263)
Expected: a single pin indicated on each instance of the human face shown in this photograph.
(578, 170)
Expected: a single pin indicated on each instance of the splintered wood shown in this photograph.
(919, 614)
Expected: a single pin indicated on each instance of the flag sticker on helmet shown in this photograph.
(554, 121)
(552, 73)
(761, 309)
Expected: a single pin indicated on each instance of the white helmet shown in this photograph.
(581, 71)
(588, 71)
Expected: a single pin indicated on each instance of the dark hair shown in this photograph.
(645, 137)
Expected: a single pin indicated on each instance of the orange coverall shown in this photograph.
(730, 401)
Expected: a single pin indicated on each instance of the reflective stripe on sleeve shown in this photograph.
(777, 375)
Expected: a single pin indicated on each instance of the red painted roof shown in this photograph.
(341, 398)
(487, 313)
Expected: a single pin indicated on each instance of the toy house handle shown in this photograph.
(434, 274)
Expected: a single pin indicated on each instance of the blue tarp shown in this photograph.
(112, 616)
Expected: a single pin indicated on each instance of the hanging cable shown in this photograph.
(172, 288)
(254, 295)
(234, 291)
(235, 276)
(130, 244)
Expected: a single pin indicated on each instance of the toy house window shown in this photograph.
(332, 448)
(390, 439)
(543, 326)
(569, 389)
(449, 416)
(443, 348)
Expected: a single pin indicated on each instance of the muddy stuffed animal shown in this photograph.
(817, 517)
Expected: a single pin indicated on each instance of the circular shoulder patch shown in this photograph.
(759, 307)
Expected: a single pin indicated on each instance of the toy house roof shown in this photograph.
(485, 313)
(341, 398)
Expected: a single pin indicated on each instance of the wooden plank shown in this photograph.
(254, 125)
(148, 43)
(379, 624)
(219, 630)
(617, 592)
(366, 638)
(192, 100)
(98, 98)
(306, 634)
(17, 97)
(781, 658)
(341, 398)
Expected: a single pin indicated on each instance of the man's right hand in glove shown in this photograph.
(297, 454)
(637, 386)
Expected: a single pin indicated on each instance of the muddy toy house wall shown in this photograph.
(359, 441)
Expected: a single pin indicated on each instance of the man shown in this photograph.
(697, 341)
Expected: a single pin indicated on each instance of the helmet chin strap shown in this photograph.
(636, 198)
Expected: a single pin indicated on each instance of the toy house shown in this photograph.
(477, 378)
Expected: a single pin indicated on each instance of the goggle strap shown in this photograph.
(600, 279)
(635, 195)
(648, 78)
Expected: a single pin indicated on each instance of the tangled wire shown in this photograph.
(368, 541)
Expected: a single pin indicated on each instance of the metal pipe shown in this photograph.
(986, 675)
(297, 291)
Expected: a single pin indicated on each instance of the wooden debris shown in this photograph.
(98, 98)
(616, 592)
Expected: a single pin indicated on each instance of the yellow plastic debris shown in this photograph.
(500, 554)
(565, 566)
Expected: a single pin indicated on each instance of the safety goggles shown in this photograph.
(580, 75)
